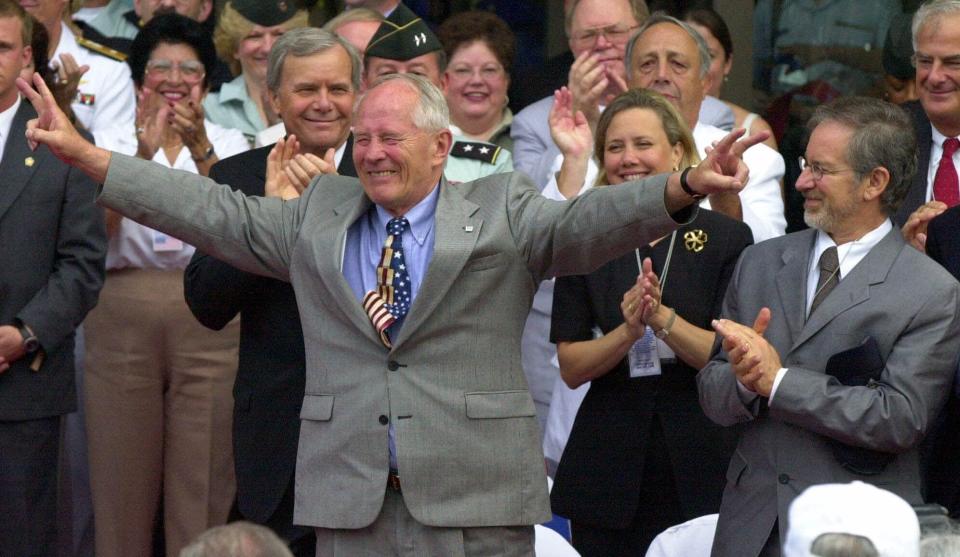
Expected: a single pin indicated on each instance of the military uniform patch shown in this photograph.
(87, 99)
(476, 150)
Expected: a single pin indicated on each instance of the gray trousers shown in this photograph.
(396, 533)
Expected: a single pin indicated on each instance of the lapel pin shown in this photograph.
(468, 228)
(29, 161)
(695, 240)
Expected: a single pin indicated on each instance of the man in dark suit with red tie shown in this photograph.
(314, 78)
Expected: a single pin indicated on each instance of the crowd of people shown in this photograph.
(313, 285)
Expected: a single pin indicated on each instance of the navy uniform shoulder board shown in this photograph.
(101, 49)
(476, 150)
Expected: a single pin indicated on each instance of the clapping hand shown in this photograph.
(569, 128)
(754, 361)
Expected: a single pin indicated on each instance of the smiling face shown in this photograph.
(615, 19)
(168, 72)
(938, 72)
(833, 202)
(666, 60)
(636, 146)
(475, 83)
(398, 164)
(315, 98)
(47, 12)
(254, 49)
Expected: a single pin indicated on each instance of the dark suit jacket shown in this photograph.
(53, 246)
(916, 195)
(598, 480)
(942, 448)
(269, 388)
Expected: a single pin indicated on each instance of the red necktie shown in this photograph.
(946, 187)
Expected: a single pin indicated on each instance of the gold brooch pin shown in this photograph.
(695, 240)
(29, 161)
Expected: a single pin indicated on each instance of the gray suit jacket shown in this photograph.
(467, 438)
(782, 451)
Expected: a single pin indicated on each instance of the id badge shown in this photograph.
(644, 357)
(165, 242)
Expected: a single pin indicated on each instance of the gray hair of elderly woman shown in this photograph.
(883, 136)
(237, 539)
(430, 114)
(307, 41)
(940, 545)
(660, 17)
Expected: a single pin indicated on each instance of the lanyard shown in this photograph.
(666, 263)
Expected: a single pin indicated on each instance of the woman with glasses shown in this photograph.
(641, 455)
(158, 385)
(480, 49)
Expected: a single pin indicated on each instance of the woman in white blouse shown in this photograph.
(159, 385)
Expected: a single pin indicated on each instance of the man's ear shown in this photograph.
(205, 11)
(876, 183)
(443, 142)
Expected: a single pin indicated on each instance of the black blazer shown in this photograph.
(916, 195)
(598, 478)
(52, 248)
(269, 388)
(941, 449)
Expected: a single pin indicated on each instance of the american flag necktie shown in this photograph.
(390, 300)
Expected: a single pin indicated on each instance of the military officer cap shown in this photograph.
(266, 12)
(403, 36)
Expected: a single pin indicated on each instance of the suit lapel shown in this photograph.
(330, 262)
(346, 167)
(456, 232)
(855, 288)
(792, 280)
(15, 166)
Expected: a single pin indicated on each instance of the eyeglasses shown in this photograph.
(617, 34)
(817, 171)
(489, 72)
(192, 71)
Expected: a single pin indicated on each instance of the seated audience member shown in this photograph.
(641, 456)
(269, 388)
(125, 18)
(158, 384)
(404, 44)
(356, 26)
(711, 26)
(98, 79)
(480, 51)
(851, 520)
(245, 32)
(237, 539)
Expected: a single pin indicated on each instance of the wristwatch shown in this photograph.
(30, 341)
(686, 186)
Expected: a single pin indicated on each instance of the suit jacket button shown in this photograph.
(384, 420)
(784, 479)
(393, 365)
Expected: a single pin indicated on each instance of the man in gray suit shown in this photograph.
(854, 340)
(420, 440)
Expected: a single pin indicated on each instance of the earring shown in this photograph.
(676, 168)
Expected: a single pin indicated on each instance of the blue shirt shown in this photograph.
(363, 250)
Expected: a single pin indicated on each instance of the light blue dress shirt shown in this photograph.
(364, 247)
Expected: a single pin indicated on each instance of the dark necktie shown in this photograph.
(390, 301)
(946, 187)
(829, 277)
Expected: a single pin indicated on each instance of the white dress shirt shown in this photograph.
(936, 152)
(6, 121)
(135, 245)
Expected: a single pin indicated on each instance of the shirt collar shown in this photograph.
(420, 216)
(937, 138)
(233, 90)
(850, 253)
(6, 120)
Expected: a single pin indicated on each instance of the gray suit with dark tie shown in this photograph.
(898, 297)
(468, 443)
